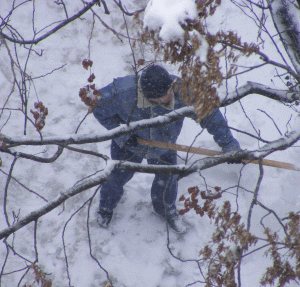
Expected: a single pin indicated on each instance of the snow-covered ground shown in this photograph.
(135, 250)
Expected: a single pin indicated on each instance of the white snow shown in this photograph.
(167, 15)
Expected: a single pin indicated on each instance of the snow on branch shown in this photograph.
(62, 197)
(256, 88)
(182, 170)
(249, 88)
(108, 135)
(282, 143)
(286, 18)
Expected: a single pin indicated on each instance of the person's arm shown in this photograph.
(216, 125)
(106, 112)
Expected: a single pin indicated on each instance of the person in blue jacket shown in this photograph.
(132, 99)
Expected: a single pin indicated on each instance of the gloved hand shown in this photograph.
(132, 141)
(229, 149)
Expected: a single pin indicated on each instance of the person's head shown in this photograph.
(156, 84)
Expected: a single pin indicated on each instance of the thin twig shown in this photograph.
(76, 131)
(42, 76)
(125, 11)
(30, 190)
(254, 201)
(6, 190)
(255, 195)
(63, 239)
(89, 237)
(46, 35)
(135, 72)
(271, 119)
(87, 152)
(4, 262)
(36, 158)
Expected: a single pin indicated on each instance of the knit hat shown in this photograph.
(155, 82)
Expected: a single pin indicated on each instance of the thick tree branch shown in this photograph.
(108, 135)
(286, 21)
(182, 170)
(249, 88)
(256, 88)
(63, 196)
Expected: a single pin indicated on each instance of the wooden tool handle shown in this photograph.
(209, 152)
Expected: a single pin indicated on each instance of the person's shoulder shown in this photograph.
(126, 81)
(119, 84)
(123, 84)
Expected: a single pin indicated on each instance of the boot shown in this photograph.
(175, 221)
(104, 218)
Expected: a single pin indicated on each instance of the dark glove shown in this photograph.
(132, 141)
(229, 149)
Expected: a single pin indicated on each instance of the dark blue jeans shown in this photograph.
(163, 190)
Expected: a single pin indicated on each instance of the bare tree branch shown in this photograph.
(37, 158)
(6, 191)
(31, 191)
(120, 5)
(84, 185)
(64, 23)
(266, 59)
(89, 238)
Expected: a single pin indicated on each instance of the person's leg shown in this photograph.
(164, 187)
(112, 190)
(164, 193)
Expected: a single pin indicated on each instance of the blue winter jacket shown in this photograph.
(119, 103)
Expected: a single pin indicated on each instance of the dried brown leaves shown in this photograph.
(39, 115)
(223, 253)
(192, 201)
(89, 94)
(285, 254)
(87, 63)
(207, 7)
(201, 77)
(229, 239)
(40, 276)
